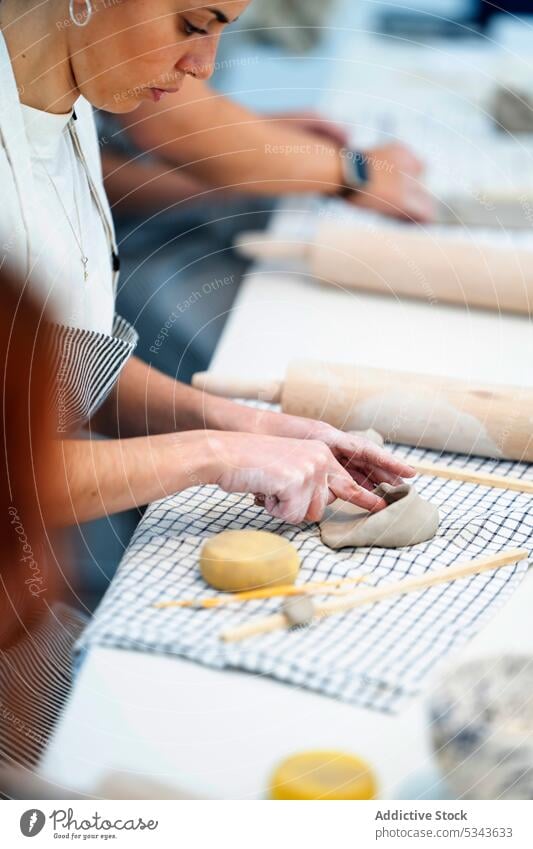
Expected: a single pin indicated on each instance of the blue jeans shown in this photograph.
(180, 276)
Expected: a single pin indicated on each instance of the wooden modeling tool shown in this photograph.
(267, 624)
(480, 478)
(422, 410)
(311, 588)
(406, 262)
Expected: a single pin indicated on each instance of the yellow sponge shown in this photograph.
(236, 561)
(323, 775)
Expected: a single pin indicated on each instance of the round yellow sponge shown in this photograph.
(323, 775)
(236, 561)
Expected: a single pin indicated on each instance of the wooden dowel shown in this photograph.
(376, 594)
(468, 476)
(421, 582)
(259, 245)
(233, 387)
(254, 628)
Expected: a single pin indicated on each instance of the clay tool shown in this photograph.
(267, 624)
(313, 587)
(480, 478)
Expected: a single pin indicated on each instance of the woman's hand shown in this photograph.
(294, 479)
(367, 463)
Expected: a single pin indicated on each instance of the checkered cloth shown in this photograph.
(375, 656)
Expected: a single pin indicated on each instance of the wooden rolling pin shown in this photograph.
(406, 262)
(413, 409)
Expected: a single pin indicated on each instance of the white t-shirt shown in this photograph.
(62, 195)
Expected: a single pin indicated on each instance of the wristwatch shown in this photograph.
(354, 168)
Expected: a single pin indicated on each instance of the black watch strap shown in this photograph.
(355, 175)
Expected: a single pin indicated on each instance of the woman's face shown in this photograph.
(134, 50)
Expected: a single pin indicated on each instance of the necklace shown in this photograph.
(84, 257)
(78, 238)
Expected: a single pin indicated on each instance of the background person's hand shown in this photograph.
(395, 186)
(294, 479)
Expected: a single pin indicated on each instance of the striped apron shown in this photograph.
(85, 367)
(35, 680)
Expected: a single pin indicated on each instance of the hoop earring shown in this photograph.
(76, 19)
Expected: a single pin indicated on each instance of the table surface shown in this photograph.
(220, 733)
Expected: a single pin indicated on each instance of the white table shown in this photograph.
(221, 733)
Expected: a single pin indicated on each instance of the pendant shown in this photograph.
(85, 260)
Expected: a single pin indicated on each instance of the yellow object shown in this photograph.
(238, 561)
(323, 775)
(318, 587)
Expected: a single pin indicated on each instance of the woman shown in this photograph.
(56, 60)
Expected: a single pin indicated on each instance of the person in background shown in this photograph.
(185, 175)
(224, 145)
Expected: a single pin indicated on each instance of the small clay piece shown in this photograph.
(237, 561)
(298, 610)
(512, 110)
(407, 520)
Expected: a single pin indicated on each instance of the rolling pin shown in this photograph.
(421, 410)
(406, 262)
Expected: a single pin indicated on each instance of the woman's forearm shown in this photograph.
(147, 402)
(96, 478)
